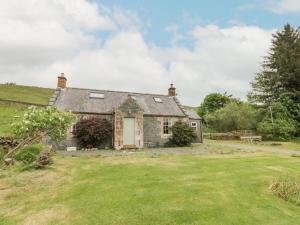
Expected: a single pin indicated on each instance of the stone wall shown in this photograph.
(198, 131)
(153, 130)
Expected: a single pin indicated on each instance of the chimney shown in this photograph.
(172, 90)
(61, 81)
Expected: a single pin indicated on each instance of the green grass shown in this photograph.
(35, 95)
(140, 190)
(9, 113)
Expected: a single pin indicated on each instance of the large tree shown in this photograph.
(212, 103)
(281, 68)
(279, 80)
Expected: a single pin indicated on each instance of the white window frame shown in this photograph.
(194, 125)
(167, 123)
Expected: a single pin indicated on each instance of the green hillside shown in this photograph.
(11, 112)
(34, 95)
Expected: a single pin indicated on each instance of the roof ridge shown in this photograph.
(88, 89)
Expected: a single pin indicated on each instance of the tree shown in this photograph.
(281, 68)
(42, 122)
(276, 122)
(234, 116)
(182, 135)
(213, 102)
(279, 80)
(93, 132)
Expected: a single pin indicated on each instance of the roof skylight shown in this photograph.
(157, 99)
(96, 95)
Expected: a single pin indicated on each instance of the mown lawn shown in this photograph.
(137, 190)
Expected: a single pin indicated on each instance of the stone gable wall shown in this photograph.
(128, 109)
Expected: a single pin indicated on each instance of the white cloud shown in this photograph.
(223, 59)
(284, 6)
(40, 39)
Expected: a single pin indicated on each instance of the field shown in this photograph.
(223, 184)
(35, 95)
(10, 111)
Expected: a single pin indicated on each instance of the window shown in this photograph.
(167, 124)
(194, 125)
(156, 99)
(73, 129)
(96, 95)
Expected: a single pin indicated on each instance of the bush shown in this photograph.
(183, 135)
(277, 124)
(286, 188)
(43, 159)
(234, 116)
(93, 132)
(28, 154)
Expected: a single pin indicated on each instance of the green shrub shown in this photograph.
(277, 123)
(234, 116)
(28, 154)
(287, 188)
(279, 129)
(93, 132)
(183, 135)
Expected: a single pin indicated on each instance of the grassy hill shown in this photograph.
(10, 111)
(34, 95)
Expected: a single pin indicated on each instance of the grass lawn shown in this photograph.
(138, 189)
(9, 113)
(288, 145)
(28, 94)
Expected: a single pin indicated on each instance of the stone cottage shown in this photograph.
(138, 120)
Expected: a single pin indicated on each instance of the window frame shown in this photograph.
(194, 125)
(167, 125)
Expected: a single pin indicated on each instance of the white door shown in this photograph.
(129, 131)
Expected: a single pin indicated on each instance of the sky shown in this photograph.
(141, 46)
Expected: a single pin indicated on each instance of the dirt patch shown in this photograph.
(18, 187)
(56, 215)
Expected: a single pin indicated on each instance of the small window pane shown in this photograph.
(156, 99)
(96, 95)
(194, 125)
(167, 124)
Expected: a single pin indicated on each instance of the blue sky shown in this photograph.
(156, 15)
(141, 46)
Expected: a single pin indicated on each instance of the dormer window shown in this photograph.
(157, 99)
(96, 95)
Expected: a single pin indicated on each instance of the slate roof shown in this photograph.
(78, 101)
(192, 114)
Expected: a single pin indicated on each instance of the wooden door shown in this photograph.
(129, 131)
